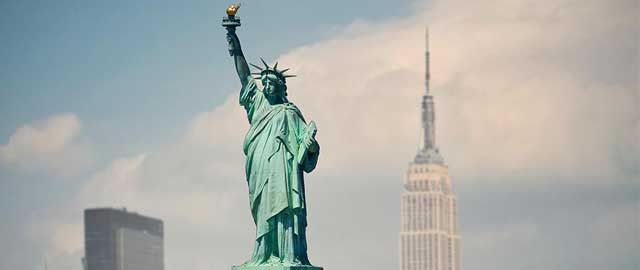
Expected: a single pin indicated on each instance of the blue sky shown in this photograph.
(132, 103)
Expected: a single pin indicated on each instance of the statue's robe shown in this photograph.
(274, 172)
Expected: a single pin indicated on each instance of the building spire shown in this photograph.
(427, 71)
(429, 152)
(428, 110)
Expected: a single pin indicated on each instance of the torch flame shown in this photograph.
(233, 9)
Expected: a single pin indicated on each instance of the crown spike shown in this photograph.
(284, 70)
(288, 76)
(264, 63)
(275, 67)
(256, 66)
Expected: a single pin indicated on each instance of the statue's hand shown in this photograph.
(311, 144)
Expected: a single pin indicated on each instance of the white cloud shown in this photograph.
(50, 145)
(62, 226)
(179, 184)
(67, 237)
(509, 94)
(115, 185)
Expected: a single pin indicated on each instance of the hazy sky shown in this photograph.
(124, 103)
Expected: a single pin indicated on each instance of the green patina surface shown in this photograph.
(280, 147)
(276, 267)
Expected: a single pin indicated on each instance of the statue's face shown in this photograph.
(272, 85)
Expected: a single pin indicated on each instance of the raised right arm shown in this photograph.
(241, 63)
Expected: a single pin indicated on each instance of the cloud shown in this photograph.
(510, 88)
(114, 184)
(51, 146)
(67, 237)
(62, 226)
(508, 93)
(537, 109)
(178, 183)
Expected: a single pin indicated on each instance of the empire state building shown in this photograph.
(429, 238)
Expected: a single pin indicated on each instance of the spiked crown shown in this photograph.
(270, 70)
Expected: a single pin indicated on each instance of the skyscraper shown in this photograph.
(429, 238)
(119, 240)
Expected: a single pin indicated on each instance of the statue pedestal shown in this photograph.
(276, 267)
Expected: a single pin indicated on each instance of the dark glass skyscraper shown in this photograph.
(119, 240)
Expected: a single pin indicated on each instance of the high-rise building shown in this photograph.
(116, 239)
(429, 238)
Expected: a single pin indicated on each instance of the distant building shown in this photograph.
(119, 240)
(429, 238)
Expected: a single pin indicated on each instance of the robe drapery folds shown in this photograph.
(273, 169)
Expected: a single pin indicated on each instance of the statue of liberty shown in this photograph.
(279, 147)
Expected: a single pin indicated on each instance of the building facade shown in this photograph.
(119, 240)
(429, 238)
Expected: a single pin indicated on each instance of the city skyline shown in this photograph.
(135, 104)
